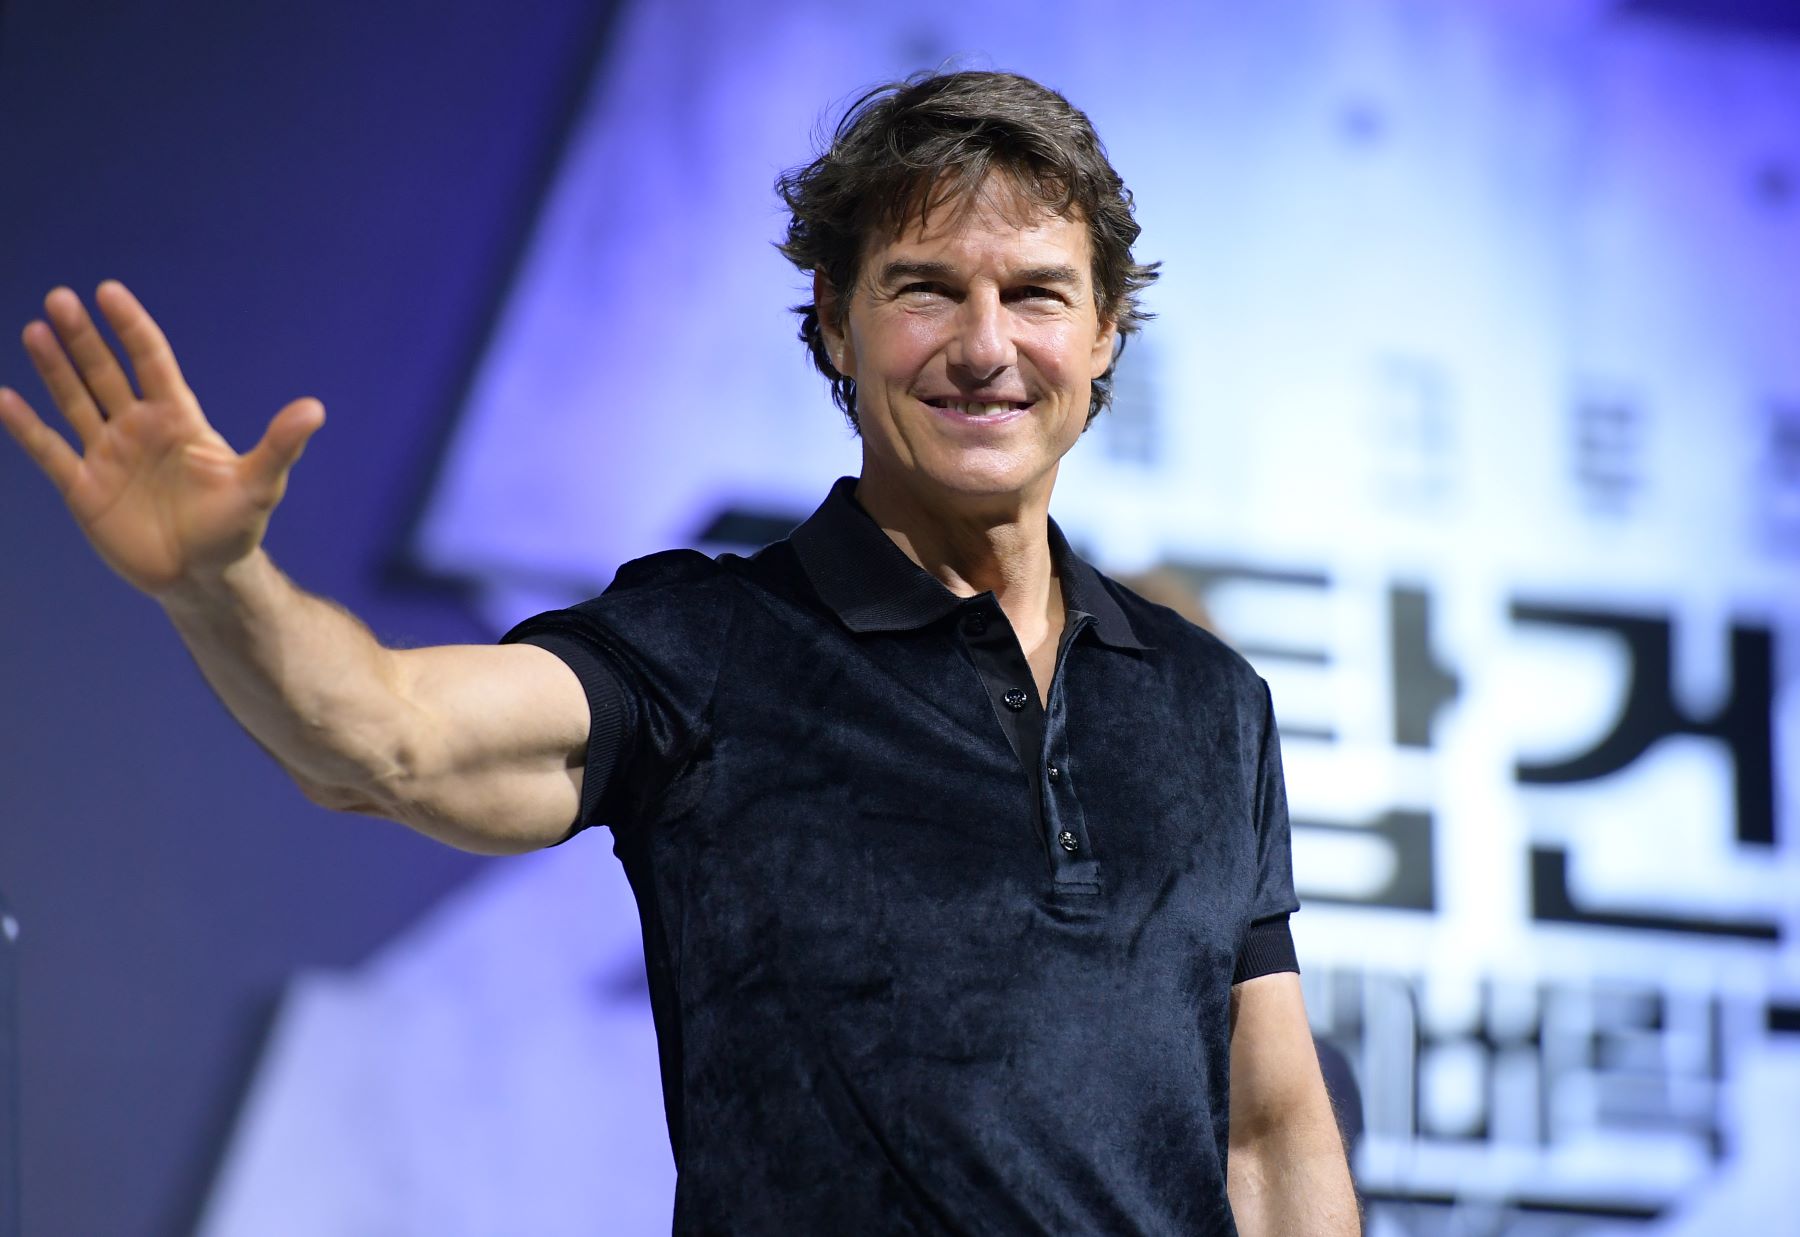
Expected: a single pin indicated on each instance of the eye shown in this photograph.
(923, 288)
(1031, 292)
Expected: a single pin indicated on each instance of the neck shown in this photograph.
(999, 545)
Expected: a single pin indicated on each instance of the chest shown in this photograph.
(868, 793)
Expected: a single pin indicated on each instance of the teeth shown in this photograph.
(979, 410)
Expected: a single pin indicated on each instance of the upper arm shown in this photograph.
(497, 737)
(1275, 1076)
(1286, 1170)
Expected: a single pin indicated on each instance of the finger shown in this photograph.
(267, 464)
(45, 446)
(98, 367)
(152, 360)
(64, 384)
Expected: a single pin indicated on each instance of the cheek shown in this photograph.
(896, 347)
(1062, 352)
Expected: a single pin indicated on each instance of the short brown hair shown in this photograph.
(906, 148)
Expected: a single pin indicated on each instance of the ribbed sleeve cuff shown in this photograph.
(1268, 948)
(606, 714)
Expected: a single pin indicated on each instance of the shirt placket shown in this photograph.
(1037, 735)
(1073, 868)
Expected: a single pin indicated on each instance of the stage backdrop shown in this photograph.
(1471, 413)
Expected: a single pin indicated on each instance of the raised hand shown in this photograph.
(160, 494)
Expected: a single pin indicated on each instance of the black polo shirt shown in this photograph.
(927, 954)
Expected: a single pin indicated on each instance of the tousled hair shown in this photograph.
(906, 149)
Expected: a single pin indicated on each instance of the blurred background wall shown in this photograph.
(1471, 414)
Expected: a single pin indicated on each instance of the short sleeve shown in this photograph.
(1268, 946)
(647, 653)
(610, 708)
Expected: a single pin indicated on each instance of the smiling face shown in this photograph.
(973, 343)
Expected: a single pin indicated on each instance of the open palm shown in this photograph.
(160, 494)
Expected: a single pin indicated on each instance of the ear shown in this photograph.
(1105, 345)
(837, 346)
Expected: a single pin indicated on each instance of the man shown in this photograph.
(963, 871)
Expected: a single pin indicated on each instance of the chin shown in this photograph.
(988, 478)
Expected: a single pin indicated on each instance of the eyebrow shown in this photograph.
(1048, 274)
(894, 272)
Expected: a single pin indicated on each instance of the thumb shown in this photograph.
(268, 461)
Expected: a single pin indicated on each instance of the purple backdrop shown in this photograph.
(314, 200)
(334, 203)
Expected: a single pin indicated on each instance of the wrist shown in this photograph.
(203, 592)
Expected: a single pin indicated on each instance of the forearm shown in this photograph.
(478, 746)
(1292, 1183)
(306, 678)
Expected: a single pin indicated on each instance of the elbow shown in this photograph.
(1292, 1182)
(361, 776)
(418, 812)
(367, 786)
(340, 798)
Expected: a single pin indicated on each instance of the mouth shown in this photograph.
(977, 409)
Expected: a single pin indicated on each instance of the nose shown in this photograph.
(982, 347)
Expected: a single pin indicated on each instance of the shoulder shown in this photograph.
(689, 572)
(675, 598)
(1199, 674)
(1176, 639)
(672, 580)
(666, 569)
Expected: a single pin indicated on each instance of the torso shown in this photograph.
(872, 954)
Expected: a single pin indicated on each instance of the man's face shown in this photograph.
(973, 344)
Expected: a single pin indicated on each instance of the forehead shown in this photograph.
(996, 228)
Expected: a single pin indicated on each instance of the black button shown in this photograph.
(1069, 841)
(1053, 770)
(1014, 699)
(975, 622)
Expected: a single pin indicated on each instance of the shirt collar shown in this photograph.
(871, 585)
